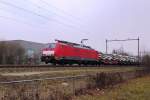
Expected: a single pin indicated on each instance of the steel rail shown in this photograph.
(55, 66)
(50, 66)
(22, 66)
(42, 79)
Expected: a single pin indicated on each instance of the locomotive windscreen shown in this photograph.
(52, 45)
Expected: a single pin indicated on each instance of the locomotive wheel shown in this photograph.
(46, 62)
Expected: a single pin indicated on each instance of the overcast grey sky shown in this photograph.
(71, 20)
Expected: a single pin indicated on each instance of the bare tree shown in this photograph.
(120, 52)
(11, 53)
(146, 60)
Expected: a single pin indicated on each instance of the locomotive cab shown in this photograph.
(48, 53)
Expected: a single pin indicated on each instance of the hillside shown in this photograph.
(36, 47)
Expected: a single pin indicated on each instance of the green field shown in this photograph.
(136, 89)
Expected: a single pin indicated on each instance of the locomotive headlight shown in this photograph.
(48, 53)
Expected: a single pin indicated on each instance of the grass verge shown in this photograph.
(30, 73)
(65, 89)
(136, 89)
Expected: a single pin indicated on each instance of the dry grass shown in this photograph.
(57, 72)
(44, 90)
(39, 69)
(53, 89)
(136, 89)
(52, 72)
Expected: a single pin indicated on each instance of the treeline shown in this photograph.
(11, 53)
(146, 60)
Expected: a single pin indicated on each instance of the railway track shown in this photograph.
(46, 66)
(26, 66)
(53, 66)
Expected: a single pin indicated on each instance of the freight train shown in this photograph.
(63, 52)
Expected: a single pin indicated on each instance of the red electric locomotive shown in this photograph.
(63, 52)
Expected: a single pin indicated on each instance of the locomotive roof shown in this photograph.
(74, 44)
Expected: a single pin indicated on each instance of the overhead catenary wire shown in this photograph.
(64, 17)
(39, 15)
(22, 22)
(15, 20)
(79, 20)
(60, 10)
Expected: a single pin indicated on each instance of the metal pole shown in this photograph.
(73, 85)
(138, 39)
(106, 46)
(138, 50)
(83, 40)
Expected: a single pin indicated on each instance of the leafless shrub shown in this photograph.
(104, 80)
(146, 60)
